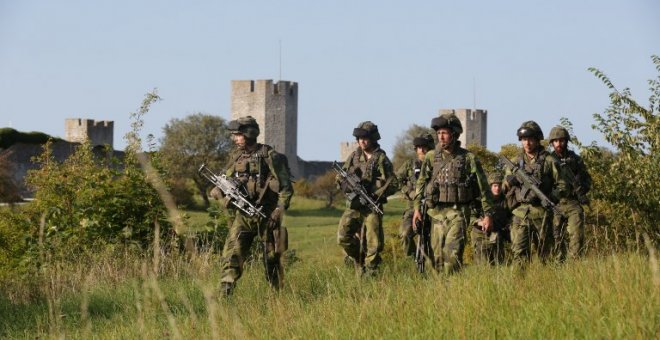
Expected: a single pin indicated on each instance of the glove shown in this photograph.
(512, 180)
(275, 219)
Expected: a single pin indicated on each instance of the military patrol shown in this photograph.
(264, 176)
(360, 231)
(568, 224)
(532, 221)
(408, 174)
(488, 246)
(450, 179)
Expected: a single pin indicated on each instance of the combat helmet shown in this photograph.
(367, 130)
(424, 139)
(246, 125)
(530, 129)
(449, 121)
(558, 132)
(495, 177)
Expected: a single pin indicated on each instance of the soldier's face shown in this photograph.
(421, 151)
(529, 144)
(445, 137)
(238, 139)
(365, 144)
(495, 189)
(559, 145)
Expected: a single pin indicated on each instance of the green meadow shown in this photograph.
(128, 296)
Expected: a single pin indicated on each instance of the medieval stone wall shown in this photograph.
(475, 125)
(77, 130)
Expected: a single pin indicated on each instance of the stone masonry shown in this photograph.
(77, 130)
(275, 107)
(475, 124)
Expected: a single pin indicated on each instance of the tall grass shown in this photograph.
(116, 294)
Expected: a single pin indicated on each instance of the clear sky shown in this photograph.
(393, 62)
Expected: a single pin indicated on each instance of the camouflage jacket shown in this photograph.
(501, 213)
(376, 173)
(471, 178)
(407, 176)
(575, 173)
(264, 173)
(544, 167)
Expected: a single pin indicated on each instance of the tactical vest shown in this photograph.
(366, 171)
(252, 170)
(452, 180)
(536, 170)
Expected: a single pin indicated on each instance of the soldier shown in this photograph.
(265, 176)
(407, 176)
(450, 179)
(571, 215)
(488, 247)
(360, 231)
(532, 223)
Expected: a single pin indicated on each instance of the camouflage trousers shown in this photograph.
(531, 226)
(568, 231)
(242, 232)
(448, 236)
(488, 248)
(407, 234)
(361, 236)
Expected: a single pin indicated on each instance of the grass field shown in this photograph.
(118, 297)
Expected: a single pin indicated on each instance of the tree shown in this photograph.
(630, 181)
(488, 159)
(190, 142)
(403, 148)
(325, 188)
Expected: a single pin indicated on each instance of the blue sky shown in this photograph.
(393, 62)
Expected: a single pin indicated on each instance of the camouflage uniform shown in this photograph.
(532, 223)
(265, 176)
(571, 215)
(377, 177)
(407, 176)
(450, 182)
(488, 247)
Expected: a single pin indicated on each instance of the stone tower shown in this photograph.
(275, 107)
(346, 149)
(475, 124)
(99, 132)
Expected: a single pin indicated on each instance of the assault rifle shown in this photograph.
(423, 241)
(575, 183)
(357, 190)
(233, 190)
(529, 183)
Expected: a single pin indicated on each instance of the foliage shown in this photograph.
(303, 188)
(325, 188)
(403, 147)
(9, 137)
(488, 159)
(187, 144)
(628, 180)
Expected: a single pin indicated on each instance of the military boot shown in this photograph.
(226, 288)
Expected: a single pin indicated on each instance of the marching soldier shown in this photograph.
(407, 175)
(360, 231)
(450, 179)
(570, 219)
(264, 175)
(488, 247)
(532, 223)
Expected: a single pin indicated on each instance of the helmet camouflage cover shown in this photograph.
(424, 139)
(530, 129)
(367, 130)
(449, 121)
(247, 126)
(495, 177)
(558, 132)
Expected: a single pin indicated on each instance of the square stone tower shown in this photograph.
(100, 132)
(275, 107)
(475, 124)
